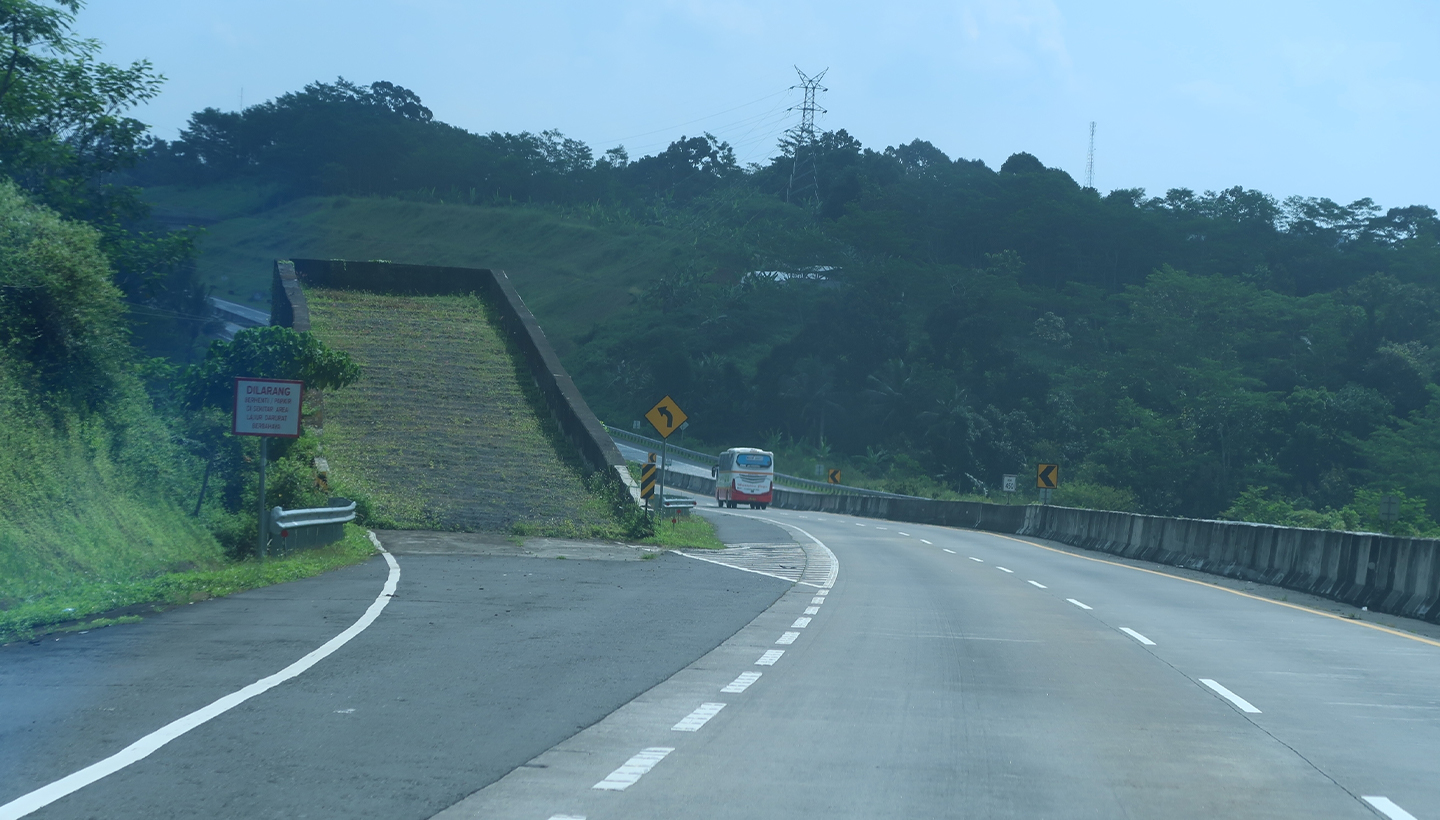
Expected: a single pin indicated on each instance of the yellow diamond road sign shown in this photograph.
(666, 416)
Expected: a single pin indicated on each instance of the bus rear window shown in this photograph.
(752, 460)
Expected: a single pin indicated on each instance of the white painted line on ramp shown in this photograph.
(1388, 808)
(741, 683)
(1037, 584)
(1240, 703)
(149, 744)
(698, 718)
(625, 776)
(1002, 569)
(1137, 636)
(788, 638)
(800, 623)
(1077, 603)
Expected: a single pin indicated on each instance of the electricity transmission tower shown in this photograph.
(1090, 160)
(804, 186)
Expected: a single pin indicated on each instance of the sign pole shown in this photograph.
(664, 463)
(260, 544)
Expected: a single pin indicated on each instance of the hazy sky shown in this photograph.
(1317, 98)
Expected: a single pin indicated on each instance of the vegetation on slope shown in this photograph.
(445, 432)
(935, 320)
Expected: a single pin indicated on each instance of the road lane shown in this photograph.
(926, 684)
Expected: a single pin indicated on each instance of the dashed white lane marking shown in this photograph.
(1387, 807)
(1002, 569)
(818, 599)
(1240, 703)
(822, 593)
(1077, 603)
(788, 638)
(625, 776)
(1137, 636)
(859, 524)
(770, 657)
(800, 623)
(698, 718)
(567, 817)
(973, 558)
(812, 610)
(882, 528)
(1038, 584)
(906, 534)
(931, 543)
(952, 552)
(149, 744)
(741, 683)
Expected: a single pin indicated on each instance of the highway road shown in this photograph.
(950, 673)
(837, 667)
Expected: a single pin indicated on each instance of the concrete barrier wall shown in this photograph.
(567, 407)
(1400, 576)
(1386, 573)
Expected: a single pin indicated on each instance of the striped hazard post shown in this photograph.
(647, 481)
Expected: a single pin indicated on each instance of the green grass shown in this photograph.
(688, 532)
(68, 609)
(573, 274)
(442, 432)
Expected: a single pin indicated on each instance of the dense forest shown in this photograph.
(934, 322)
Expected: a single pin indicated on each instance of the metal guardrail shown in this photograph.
(780, 478)
(676, 502)
(313, 526)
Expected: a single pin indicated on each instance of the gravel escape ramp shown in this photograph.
(440, 432)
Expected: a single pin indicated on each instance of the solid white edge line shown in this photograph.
(1239, 702)
(754, 571)
(1137, 636)
(834, 562)
(1077, 603)
(149, 744)
(1387, 807)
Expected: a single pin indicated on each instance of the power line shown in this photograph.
(804, 185)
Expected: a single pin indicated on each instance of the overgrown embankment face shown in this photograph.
(445, 431)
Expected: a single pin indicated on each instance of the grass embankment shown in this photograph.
(573, 273)
(122, 599)
(444, 433)
(688, 532)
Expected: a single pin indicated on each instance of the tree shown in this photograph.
(265, 353)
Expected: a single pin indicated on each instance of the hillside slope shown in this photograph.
(443, 433)
(572, 273)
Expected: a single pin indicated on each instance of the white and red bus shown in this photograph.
(744, 475)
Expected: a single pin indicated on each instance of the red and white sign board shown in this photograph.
(267, 407)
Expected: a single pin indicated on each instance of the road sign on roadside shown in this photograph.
(267, 407)
(833, 476)
(666, 416)
(1009, 482)
(1047, 476)
(1389, 508)
(647, 481)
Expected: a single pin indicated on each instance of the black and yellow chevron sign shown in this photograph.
(647, 481)
(1047, 476)
(833, 476)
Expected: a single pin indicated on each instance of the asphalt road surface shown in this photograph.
(486, 656)
(899, 670)
(949, 673)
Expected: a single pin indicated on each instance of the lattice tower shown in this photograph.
(804, 184)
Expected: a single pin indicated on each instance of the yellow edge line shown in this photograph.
(1208, 585)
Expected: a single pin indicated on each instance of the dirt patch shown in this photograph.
(426, 542)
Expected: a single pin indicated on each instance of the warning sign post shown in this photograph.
(265, 408)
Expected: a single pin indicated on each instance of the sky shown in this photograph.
(1316, 98)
